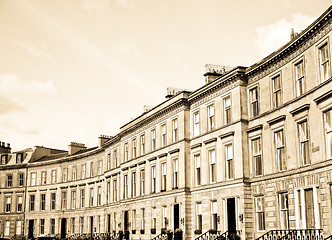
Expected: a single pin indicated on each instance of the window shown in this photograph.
(197, 159)
(229, 161)
(83, 171)
(33, 179)
(19, 203)
(18, 227)
(199, 219)
(43, 177)
(73, 200)
(64, 174)
(53, 201)
(32, 203)
(175, 173)
(324, 62)
(72, 222)
(142, 182)
(133, 215)
(304, 142)
(260, 213)
(20, 179)
(154, 218)
(212, 161)
(133, 184)
(91, 198)
(19, 157)
(257, 156)
(153, 139)
(196, 124)
(52, 223)
(134, 148)
(126, 152)
(163, 177)
(164, 217)
(100, 167)
(284, 214)
(42, 226)
(99, 196)
(115, 156)
(299, 78)
(328, 132)
(153, 179)
(91, 169)
(163, 135)
(280, 150)
(108, 192)
(9, 181)
(143, 219)
(125, 186)
(8, 204)
(7, 228)
(214, 215)
(82, 198)
(74, 177)
(254, 108)
(142, 140)
(276, 87)
(227, 110)
(115, 194)
(4, 159)
(81, 224)
(42, 201)
(210, 116)
(64, 200)
(175, 132)
(53, 176)
(108, 161)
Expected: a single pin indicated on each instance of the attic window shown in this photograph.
(4, 159)
(19, 157)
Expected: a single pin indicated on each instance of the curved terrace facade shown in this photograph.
(248, 152)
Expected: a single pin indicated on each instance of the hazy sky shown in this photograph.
(71, 70)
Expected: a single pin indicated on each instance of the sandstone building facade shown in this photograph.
(250, 150)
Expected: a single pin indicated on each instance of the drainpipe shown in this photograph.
(25, 197)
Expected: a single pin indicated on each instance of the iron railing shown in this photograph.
(209, 235)
(161, 236)
(293, 234)
(328, 238)
(230, 235)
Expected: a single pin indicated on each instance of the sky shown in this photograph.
(71, 70)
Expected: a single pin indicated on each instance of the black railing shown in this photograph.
(209, 235)
(101, 236)
(161, 236)
(230, 235)
(304, 234)
(293, 234)
(328, 238)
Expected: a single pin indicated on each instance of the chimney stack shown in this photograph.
(74, 147)
(171, 92)
(5, 149)
(214, 71)
(103, 139)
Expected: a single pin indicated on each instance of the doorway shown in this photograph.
(109, 223)
(126, 221)
(231, 215)
(176, 216)
(91, 225)
(63, 227)
(31, 227)
(309, 209)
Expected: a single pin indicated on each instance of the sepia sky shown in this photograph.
(71, 70)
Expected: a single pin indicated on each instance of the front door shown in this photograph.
(231, 215)
(309, 209)
(91, 225)
(176, 216)
(109, 223)
(31, 226)
(63, 227)
(126, 221)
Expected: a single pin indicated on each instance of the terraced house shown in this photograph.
(249, 152)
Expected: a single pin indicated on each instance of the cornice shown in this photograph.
(255, 128)
(292, 49)
(210, 140)
(276, 119)
(300, 109)
(225, 135)
(323, 97)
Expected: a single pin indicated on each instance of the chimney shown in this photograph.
(147, 108)
(74, 147)
(214, 71)
(171, 92)
(102, 139)
(5, 149)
